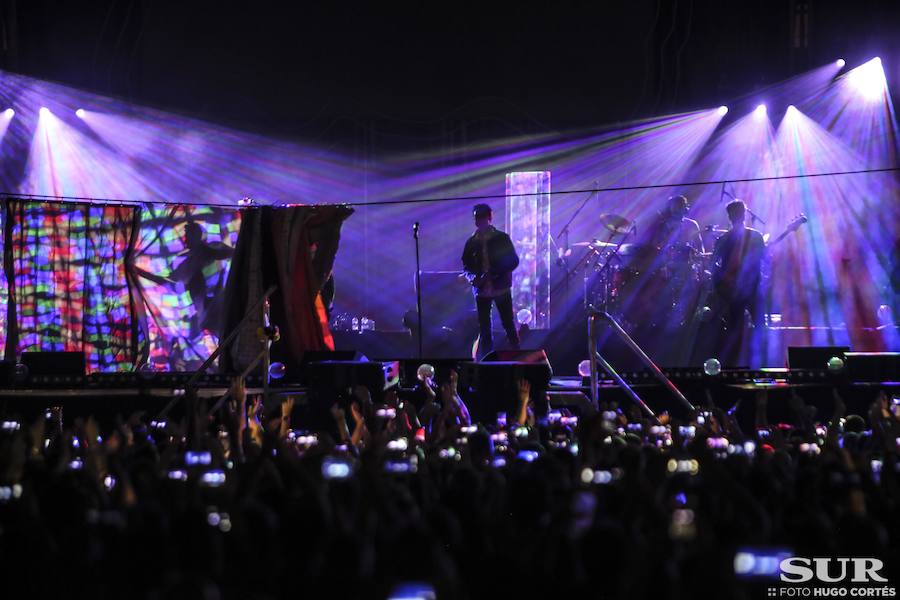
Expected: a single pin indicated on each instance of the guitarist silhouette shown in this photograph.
(489, 258)
(737, 261)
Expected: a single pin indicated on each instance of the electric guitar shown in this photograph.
(723, 283)
(793, 226)
(476, 280)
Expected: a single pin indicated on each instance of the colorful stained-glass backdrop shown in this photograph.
(181, 261)
(69, 290)
(128, 285)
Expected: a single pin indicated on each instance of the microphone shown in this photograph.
(416, 230)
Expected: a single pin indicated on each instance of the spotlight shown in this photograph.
(839, 63)
(868, 79)
(722, 111)
(760, 112)
(44, 111)
(791, 108)
(79, 113)
(10, 113)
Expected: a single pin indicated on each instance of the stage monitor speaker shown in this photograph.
(536, 356)
(7, 372)
(492, 387)
(54, 368)
(873, 367)
(813, 357)
(54, 363)
(339, 375)
(318, 356)
(312, 356)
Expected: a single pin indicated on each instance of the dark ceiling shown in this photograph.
(435, 73)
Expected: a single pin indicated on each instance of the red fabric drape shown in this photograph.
(294, 248)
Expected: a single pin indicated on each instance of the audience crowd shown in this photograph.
(405, 497)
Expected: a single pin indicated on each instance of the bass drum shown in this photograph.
(667, 295)
(605, 289)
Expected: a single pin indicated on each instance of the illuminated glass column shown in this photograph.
(528, 224)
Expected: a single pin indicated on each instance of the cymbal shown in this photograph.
(615, 223)
(594, 244)
(631, 249)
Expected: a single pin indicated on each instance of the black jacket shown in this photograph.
(501, 255)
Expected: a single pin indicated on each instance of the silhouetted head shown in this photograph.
(484, 216)
(736, 210)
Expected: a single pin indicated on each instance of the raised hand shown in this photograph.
(356, 412)
(428, 386)
(287, 407)
(454, 381)
(524, 389)
(253, 423)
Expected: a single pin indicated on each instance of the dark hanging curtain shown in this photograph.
(293, 248)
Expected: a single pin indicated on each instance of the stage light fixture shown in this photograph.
(44, 111)
(760, 111)
(723, 110)
(868, 79)
(10, 113)
(840, 63)
(79, 113)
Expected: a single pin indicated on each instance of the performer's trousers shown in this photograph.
(505, 308)
(735, 335)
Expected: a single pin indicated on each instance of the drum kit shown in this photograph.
(640, 283)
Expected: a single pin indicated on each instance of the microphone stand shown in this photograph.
(563, 260)
(418, 286)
